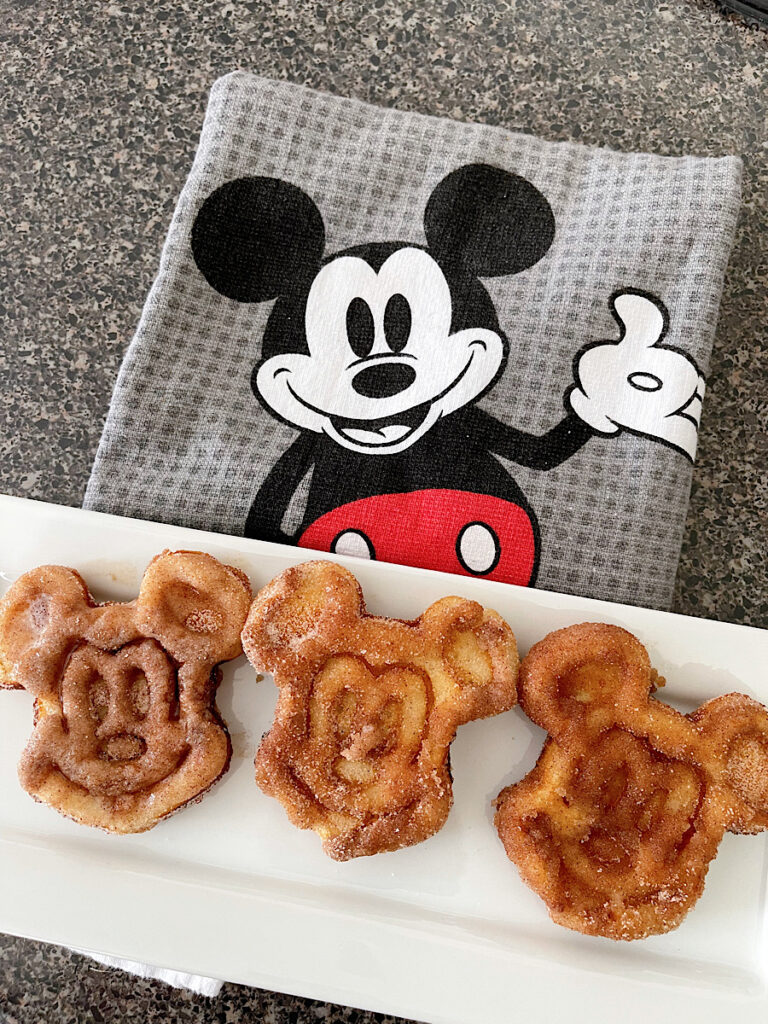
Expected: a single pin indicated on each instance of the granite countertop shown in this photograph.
(104, 107)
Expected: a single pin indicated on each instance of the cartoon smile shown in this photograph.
(380, 432)
(388, 430)
(397, 429)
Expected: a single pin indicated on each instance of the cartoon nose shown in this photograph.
(383, 380)
(123, 747)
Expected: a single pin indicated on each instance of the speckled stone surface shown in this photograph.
(103, 106)
(47, 983)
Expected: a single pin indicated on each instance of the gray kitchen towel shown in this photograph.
(442, 344)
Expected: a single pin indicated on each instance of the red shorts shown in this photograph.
(453, 531)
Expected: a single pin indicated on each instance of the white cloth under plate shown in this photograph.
(194, 982)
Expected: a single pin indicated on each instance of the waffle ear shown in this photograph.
(479, 654)
(736, 730)
(568, 676)
(194, 606)
(40, 614)
(293, 613)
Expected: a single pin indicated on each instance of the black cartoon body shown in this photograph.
(378, 354)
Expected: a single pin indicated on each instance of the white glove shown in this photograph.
(634, 384)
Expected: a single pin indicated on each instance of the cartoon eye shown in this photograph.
(140, 695)
(361, 329)
(98, 698)
(397, 322)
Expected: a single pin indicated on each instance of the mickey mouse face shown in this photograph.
(377, 343)
(368, 706)
(126, 729)
(123, 730)
(383, 365)
(617, 823)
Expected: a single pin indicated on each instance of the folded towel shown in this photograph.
(428, 342)
(441, 344)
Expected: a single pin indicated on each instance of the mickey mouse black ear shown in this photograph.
(488, 222)
(254, 238)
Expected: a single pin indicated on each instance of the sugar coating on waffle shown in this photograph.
(126, 728)
(616, 825)
(368, 706)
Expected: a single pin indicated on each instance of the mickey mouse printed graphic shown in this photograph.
(378, 355)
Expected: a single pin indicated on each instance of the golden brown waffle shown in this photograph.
(126, 729)
(616, 825)
(368, 706)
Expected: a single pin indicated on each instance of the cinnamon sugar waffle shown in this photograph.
(616, 825)
(126, 729)
(368, 706)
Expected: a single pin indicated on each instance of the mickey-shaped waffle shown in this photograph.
(616, 825)
(126, 729)
(368, 706)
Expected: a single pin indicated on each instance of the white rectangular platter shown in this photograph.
(442, 932)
